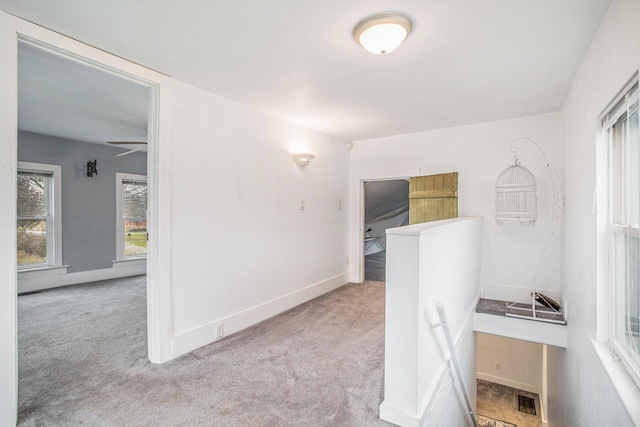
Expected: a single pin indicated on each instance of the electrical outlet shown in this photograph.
(339, 205)
(301, 205)
(219, 330)
(497, 366)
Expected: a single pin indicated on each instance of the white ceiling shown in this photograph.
(66, 99)
(466, 61)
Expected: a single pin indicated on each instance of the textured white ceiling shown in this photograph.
(467, 61)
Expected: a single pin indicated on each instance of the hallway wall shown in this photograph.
(243, 250)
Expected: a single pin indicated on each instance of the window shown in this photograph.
(38, 216)
(620, 127)
(132, 216)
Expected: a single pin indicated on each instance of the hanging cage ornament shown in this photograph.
(516, 194)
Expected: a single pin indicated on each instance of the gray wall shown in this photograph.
(88, 204)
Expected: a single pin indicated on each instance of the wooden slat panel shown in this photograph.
(433, 197)
(432, 194)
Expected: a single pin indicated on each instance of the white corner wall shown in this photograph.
(577, 372)
(479, 153)
(242, 249)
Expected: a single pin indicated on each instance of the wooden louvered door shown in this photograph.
(433, 197)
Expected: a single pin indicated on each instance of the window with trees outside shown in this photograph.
(38, 215)
(132, 216)
(620, 126)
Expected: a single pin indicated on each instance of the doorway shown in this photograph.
(386, 205)
(15, 31)
(394, 202)
(70, 109)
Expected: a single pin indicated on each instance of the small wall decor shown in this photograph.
(92, 168)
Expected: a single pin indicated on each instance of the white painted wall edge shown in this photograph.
(521, 329)
(185, 342)
(507, 382)
(59, 277)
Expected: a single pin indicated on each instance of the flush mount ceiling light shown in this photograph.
(381, 34)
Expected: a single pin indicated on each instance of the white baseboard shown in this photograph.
(37, 280)
(509, 383)
(185, 342)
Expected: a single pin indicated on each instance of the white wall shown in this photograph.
(243, 250)
(479, 153)
(610, 62)
(511, 362)
(424, 269)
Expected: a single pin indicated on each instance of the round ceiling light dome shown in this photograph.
(381, 34)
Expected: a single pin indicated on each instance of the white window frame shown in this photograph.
(610, 220)
(120, 241)
(54, 229)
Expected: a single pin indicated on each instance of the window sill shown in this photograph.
(130, 262)
(625, 387)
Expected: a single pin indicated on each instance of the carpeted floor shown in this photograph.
(82, 361)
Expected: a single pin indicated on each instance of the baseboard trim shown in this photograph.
(507, 382)
(398, 416)
(41, 281)
(188, 341)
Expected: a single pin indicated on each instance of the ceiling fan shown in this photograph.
(144, 143)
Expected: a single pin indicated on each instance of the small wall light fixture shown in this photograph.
(303, 159)
(383, 33)
(92, 168)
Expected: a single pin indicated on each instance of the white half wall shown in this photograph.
(577, 371)
(239, 237)
(479, 153)
(428, 264)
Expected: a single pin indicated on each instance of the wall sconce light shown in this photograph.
(92, 168)
(382, 34)
(303, 159)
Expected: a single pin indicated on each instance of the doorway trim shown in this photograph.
(14, 31)
(356, 238)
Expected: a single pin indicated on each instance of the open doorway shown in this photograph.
(82, 200)
(386, 205)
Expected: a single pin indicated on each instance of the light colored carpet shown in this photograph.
(82, 353)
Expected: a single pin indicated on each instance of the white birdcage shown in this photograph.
(516, 196)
